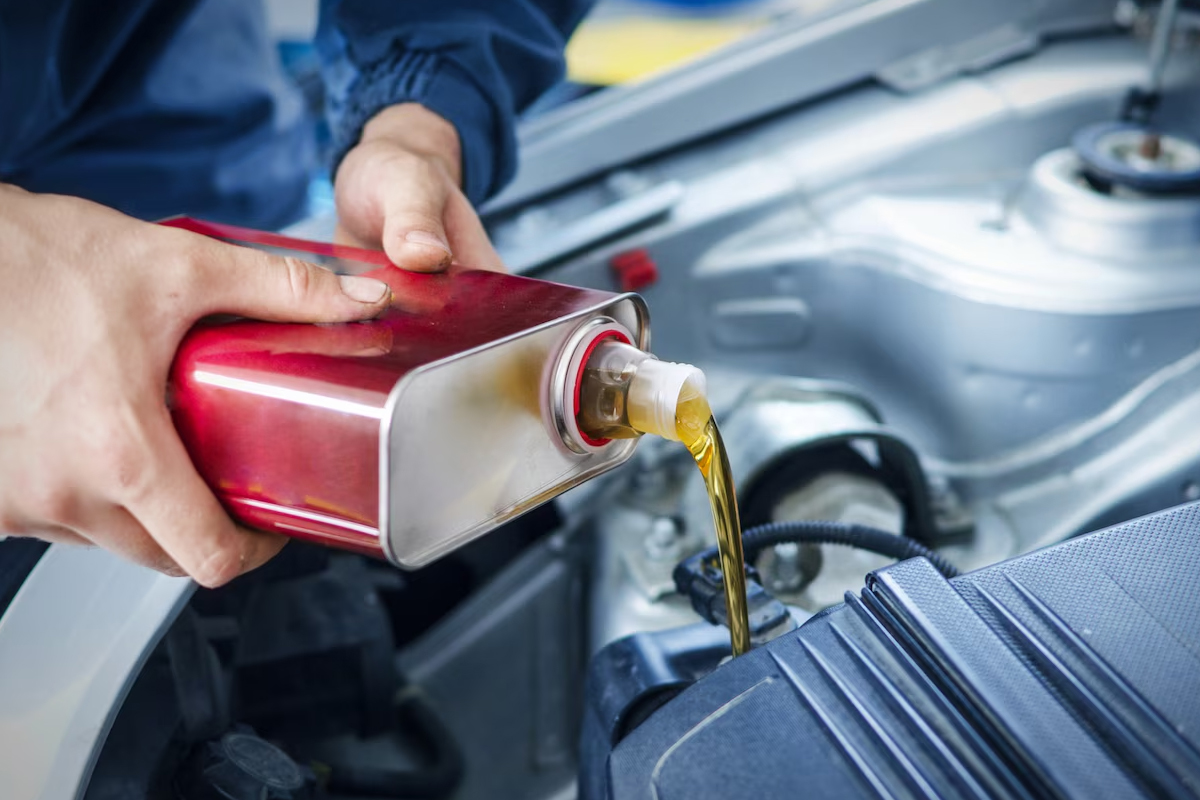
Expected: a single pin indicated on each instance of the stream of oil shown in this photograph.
(698, 430)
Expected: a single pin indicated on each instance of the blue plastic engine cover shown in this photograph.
(1071, 672)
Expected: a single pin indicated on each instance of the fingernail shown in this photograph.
(426, 239)
(364, 290)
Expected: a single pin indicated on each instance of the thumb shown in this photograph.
(414, 242)
(414, 232)
(251, 283)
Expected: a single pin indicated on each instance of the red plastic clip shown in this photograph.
(634, 270)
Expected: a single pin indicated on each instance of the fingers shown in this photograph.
(225, 278)
(469, 244)
(173, 503)
(118, 531)
(54, 534)
(364, 340)
(115, 530)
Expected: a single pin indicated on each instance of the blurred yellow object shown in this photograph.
(609, 51)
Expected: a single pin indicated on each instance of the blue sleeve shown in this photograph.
(476, 63)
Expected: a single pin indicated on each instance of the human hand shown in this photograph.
(398, 189)
(93, 307)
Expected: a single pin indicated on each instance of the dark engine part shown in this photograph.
(699, 577)
(371, 681)
(18, 557)
(1070, 672)
(315, 653)
(776, 449)
(897, 470)
(256, 689)
(241, 766)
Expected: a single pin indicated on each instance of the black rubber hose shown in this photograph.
(760, 537)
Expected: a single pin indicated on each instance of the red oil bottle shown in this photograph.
(409, 435)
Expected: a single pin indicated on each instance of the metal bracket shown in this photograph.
(939, 63)
(607, 223)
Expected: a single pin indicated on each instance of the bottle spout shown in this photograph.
(625, 392)
(655, 393)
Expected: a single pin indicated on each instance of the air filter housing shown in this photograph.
(1073, 671)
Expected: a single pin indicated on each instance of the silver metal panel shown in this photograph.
(1036, 346)
(796, 60)
(485, 417)
(71, 644)
(610, 221)
(886, 217)
(780, 417)
(1129, 229)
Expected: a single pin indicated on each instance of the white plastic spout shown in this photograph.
(655, 392)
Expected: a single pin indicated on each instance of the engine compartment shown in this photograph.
(1008, 681)
(914, 311)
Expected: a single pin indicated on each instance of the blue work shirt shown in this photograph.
(163, 107)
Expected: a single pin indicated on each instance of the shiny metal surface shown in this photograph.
(630, 590)
(536, 248)
(407, 435)
(911, 43)
(1160, 44)
(566, 376)
(779, 420)
(486, 448)
(71, 644)
(1033, 341)
(1117, 228)
(840, 497)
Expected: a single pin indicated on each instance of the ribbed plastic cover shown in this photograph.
(1070, 672)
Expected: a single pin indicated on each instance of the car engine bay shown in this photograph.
(954, 298)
